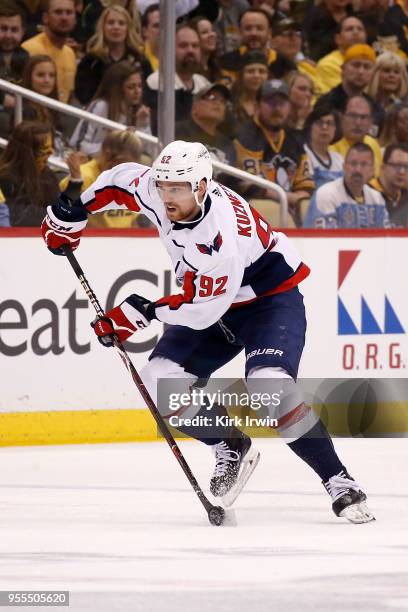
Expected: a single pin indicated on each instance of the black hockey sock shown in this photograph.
(317, 450)
(207, 429)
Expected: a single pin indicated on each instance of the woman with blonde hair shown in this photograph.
(389, 83)
(301, 92)
(116, 39)
(93, 9)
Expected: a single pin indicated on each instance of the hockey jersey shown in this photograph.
(333, 206)
(284, 162)
(227, 258)
(322, 172)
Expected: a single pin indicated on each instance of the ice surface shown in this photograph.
(120, 528)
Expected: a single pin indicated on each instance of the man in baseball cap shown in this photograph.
(266, 146)
(272, 88)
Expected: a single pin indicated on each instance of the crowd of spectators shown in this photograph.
(309, 94)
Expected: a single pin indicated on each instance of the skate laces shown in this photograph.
(223, 456)
(339, 484)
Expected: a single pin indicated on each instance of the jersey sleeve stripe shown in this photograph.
(103, 197)
(175, 301)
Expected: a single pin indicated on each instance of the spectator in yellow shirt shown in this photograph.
(356, 123)
(59, 21)
(351, 32)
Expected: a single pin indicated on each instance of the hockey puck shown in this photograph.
(216, 515)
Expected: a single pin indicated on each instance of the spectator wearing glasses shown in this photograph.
(356, 125)
(357, 70)
(349, 202)
(321, 128)
(392, 183)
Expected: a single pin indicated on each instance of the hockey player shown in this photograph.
(240, 291)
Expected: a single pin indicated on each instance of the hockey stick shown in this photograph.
(216, 514)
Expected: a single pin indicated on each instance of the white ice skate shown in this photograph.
(235, 459)
(349, 501)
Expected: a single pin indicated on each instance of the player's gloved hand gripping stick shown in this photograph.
(216, 514)
(134, 313)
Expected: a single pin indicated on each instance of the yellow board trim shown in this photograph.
(76, 427)
(102, 426)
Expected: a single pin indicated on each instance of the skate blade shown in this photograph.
(249, 463)
(357, 513)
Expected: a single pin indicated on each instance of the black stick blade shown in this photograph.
(216, 515)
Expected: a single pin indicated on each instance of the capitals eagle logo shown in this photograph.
(208, 248)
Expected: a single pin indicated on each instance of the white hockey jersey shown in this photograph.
(227, 258)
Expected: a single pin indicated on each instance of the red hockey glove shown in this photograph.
(124, 320)
(63, 225)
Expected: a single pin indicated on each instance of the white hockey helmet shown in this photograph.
(183, 161)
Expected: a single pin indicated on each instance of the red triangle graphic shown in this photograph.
(346, 260)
